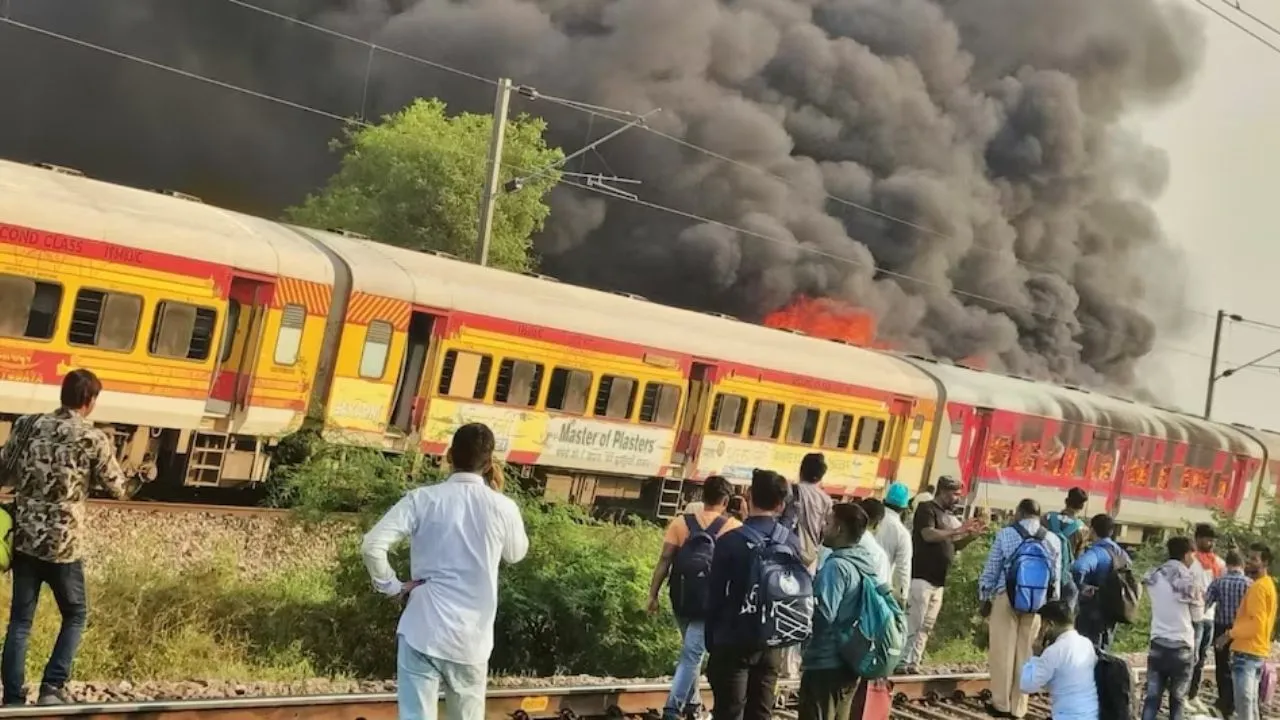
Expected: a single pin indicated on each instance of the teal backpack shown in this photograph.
(879, 636)
(1055, 523)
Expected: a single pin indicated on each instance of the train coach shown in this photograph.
(217, 333)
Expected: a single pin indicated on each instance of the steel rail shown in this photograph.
(559, 703)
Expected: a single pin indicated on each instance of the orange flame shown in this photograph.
(826, 318)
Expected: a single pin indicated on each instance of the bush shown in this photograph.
(574, 605)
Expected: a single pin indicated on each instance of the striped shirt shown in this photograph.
(1228, 592)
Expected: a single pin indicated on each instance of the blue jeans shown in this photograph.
(1246, 674)
(66, 580)
(1168, 670)
(418, 680)
(684, 686)
(1204, 648)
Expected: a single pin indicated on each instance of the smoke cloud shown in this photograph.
(993, 127)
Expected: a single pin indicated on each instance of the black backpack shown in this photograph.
(691, 569)
(1120, 592)
(1115, 687)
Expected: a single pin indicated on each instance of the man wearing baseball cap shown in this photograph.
(936, 535)
(895, 538)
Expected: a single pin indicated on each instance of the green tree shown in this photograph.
(415, 180)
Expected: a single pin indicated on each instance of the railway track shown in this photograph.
(158, 506)
(918, 698)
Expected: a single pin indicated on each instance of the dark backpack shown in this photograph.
(691, 569)
(779, 596)
(1030, 572)
(1115, 687)
(1120, 593)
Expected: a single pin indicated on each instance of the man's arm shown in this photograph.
(902, 564)
(1038, 671)
(516, 545)
(660, 573)
(988, 580)
(105, 471)
(830, 587)
(9, 451)
(393, 528)
(1086, 563)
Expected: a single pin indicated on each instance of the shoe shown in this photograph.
(993, 712)
(50, 695)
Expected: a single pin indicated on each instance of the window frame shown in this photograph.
(818, 426)
(62, 296)
(302, 329)
(137, 327)
(586, 398)
(826, 423)
(779, 418)
(632, 405)
(657, 403)
(488, 376)
(539, 370)
(213, 332)
(878, 442)
(740, 421)
(364, 349)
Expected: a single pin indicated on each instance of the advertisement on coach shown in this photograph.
(529, 437)
(736, 458)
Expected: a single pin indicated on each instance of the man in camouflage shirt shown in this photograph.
(52, 461)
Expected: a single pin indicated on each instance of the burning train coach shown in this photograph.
(216, 334)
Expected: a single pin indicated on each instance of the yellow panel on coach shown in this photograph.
(367, 368)
(557, 399)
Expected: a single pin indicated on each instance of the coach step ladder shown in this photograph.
(670, 498)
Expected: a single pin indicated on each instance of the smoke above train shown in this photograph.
(959, 170)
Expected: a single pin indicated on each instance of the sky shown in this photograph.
(1223, 142)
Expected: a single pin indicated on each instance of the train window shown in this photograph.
(568, 390)
(107, 320)
(659, 403)
(616, 397)
(766, 420)
(229, 327)
(802, 425)
(465, 375)
(182, 331)
(870, 435)
(836, 430)
(377, 345)
(917, 433)
(957, 438)
(1081, 459)
(28, 308)
(728, 413)
(289, 341)
(518, 383)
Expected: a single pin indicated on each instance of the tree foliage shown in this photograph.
(415, 180)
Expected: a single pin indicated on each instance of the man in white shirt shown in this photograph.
(1065, 666)
(1174, 591)
(895, 539)
(875, 515)
(459, 531)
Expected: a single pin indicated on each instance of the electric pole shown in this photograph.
(1213, 364)
(494, 169)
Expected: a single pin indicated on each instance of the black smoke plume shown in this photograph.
(993, 126)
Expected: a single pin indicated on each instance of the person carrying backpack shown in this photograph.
(685, 563)
(1019, 578)
(1069, 528)
(1109, 591)
(760, 602)
(828, 682)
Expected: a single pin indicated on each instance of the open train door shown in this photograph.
(972, 468)
(249, 299)
(895, 441)
(1123, 451)
(698, 399)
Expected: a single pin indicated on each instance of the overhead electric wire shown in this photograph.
(1270, 45)
(655, 206)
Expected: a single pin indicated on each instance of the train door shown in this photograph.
(411, 371)
(978, 438)
(895, 438)
(249, 300)
(689, 437)
(1123, 451)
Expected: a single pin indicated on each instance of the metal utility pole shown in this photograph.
(492, 172)
(1213, 364)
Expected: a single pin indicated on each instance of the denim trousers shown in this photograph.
(1204, 648)
(420, 677)
(66, 581)
(684, 686)
(1246, 675)
(1168, 670)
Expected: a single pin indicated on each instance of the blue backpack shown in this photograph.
(1030, 572)
(691, 569)
(876, 641)
(779, 592)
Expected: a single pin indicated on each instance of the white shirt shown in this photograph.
(1066, 668)
(884, 571)
(1170, 614)
(895, 540)
(458, 530)
(1205, 576)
